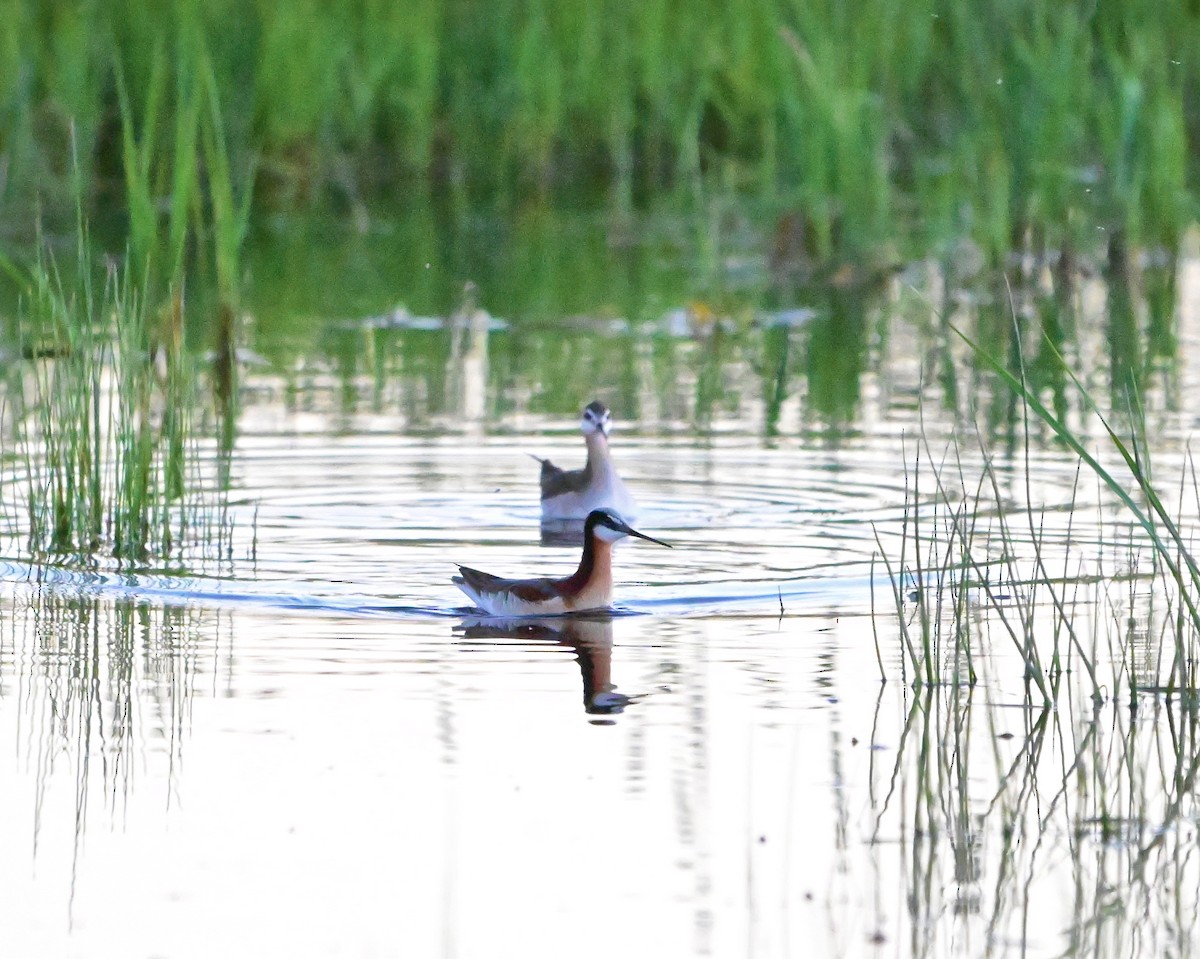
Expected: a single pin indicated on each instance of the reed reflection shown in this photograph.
(821, 354)
(467, 367)
(96, 683)
(590, 636)
(1066, 830)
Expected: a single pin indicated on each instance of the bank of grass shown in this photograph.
(1026, 125)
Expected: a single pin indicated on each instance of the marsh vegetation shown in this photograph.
(896, 308)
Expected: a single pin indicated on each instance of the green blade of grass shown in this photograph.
(1021, 389)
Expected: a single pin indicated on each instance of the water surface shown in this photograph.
(311, 746)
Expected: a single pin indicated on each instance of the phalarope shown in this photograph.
(588, 588)
(572, 494)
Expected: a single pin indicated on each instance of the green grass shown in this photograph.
(973, 535)
(1023, 126)
(1097, 763)
(106, 426)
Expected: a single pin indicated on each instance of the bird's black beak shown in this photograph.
(634, 532)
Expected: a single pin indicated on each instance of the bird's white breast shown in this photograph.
(606, 490)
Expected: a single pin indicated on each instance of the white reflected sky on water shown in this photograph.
(351, 786)
(342, 789)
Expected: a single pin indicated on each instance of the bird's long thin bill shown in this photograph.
(634, 532)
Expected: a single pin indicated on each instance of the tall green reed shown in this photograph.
(207, 182)
(1139, 494)
(107, 434)
(977, 529)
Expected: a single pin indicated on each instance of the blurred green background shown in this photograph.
(846, 124)
(735, 181)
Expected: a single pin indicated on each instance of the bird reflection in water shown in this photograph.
(590, 637)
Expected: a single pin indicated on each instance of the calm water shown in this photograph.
(313, 748)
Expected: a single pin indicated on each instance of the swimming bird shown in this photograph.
(572, 494)
(590, 587)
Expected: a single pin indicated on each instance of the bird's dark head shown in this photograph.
(606, 524)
